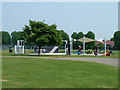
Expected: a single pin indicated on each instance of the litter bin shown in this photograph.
(10, 49)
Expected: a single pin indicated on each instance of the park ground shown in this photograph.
(49, 72)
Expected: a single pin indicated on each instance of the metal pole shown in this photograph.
(23, 49)
(70, 47)
(84, 45)
(65, 48)
(105, 46)
(15, 50)
(18, 42)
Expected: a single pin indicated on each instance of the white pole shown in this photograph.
(105, 46)
(84, 45)
(70, 47)
(23, 49)
(15, 50)
(65, 48)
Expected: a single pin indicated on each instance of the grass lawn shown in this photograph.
(6, 53)
(46, 73)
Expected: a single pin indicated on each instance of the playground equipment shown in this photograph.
(66, 48)
(84, 40)
(48, 50)
(19, 48)
(51, 50)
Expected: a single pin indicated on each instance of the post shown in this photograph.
(105, 46)
(65, 48)
(15, 50)
(84, 45)
(70, 47)
(18, 42)
(23, 49)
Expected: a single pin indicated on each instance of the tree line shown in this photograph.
(116, 38)
(39, 33)
(35, 30)
(11, 39)
(89, 45)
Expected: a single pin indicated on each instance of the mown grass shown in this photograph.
(6, 53)
(46, 73)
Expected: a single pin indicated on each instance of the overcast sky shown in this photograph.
(98, 17)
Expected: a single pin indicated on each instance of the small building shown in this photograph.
(109, 44)
(97, 42)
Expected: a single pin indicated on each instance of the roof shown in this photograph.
(110, 43)
(86, 40)
(97, 42)
(107, 42)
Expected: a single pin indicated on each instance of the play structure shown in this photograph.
(85, 40)
(51, 50)
(45, 50)
(19, 48)
(54, 50)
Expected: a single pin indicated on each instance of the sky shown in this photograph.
(98, 17)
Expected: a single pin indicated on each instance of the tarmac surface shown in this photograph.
(108, 61)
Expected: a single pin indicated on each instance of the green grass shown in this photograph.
(46, 73)
(6, 53)
(70, 56)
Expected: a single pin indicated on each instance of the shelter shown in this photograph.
(86, 40)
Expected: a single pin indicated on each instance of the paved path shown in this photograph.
(109, 61)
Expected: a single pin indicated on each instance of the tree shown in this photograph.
(5, 38)
(80, 35)
(100, 46)
(90, 35)
(112, 39)
(74, 35)
(41, 34)
(77, 36)
(117, 40)
(16, 36)
(63, 35)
